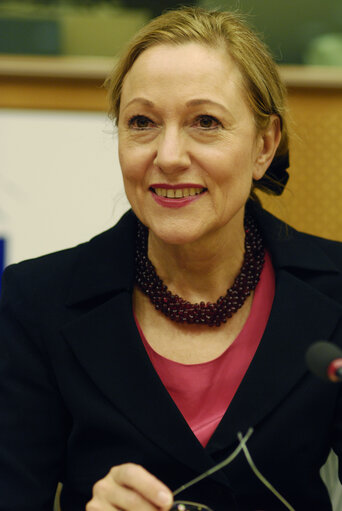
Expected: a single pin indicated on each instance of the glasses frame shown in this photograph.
(183, 505)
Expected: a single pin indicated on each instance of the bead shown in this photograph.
(210, 314)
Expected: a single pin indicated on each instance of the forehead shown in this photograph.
(188, 69)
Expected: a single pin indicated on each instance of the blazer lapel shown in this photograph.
(107, 344)
(300, 316)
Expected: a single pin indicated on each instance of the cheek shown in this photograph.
(129, 166)
(134, 162)
(126, 153)
(134, 178)
(229, 167)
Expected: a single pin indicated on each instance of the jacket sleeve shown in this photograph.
(32, 418)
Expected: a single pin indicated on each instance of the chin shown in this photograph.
(176, 235)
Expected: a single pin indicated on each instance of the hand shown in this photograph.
(130, 487)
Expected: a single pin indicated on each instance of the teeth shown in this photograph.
(161, 192)
(178, 193)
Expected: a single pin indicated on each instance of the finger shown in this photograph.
(96, 504)
(129, 500)
(109, 495)
(103, 499)
(147, 485)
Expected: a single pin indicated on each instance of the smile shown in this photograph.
(176, 196)
(178, 193)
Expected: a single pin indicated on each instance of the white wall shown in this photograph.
(60, 181)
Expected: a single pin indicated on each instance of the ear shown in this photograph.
(267, 144)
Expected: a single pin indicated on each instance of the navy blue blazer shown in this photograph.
(78, 393)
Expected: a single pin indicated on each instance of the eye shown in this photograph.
(140, 122)
(207, 122)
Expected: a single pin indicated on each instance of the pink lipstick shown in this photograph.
(176, 196)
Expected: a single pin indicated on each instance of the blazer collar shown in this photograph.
(106, 264)
(290, 248)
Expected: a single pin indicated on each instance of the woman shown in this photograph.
(130, 364)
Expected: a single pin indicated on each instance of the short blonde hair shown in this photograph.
(265, 91)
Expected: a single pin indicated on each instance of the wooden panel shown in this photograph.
(67, 83)
(312, 199)
(52, 93)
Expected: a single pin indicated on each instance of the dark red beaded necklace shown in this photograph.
(211, 314)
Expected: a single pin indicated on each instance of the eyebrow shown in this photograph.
(144, 101)
(190, 103)
(200, 101)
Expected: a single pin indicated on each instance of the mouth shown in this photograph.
(177, 193)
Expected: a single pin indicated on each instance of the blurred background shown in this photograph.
(298, 32)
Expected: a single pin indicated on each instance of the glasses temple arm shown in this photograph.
(260, 476)
(220, 465)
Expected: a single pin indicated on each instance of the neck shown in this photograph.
(203, 270)
(179, 308)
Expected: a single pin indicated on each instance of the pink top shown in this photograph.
(203, 392)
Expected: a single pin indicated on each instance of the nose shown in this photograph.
(172, 152)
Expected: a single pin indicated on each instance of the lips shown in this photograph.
(177, 192)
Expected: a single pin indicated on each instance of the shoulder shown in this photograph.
(51, 276)
(314, 260)
(47, 274)
(331, 248)
(291, 246)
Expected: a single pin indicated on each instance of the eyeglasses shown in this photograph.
(183, 505)
(189, 506)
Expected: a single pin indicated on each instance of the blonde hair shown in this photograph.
(265, 91)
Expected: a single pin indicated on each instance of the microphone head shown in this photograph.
(319, 357)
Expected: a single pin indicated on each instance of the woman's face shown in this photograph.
(188, 145)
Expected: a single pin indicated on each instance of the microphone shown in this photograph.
(324, 359)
